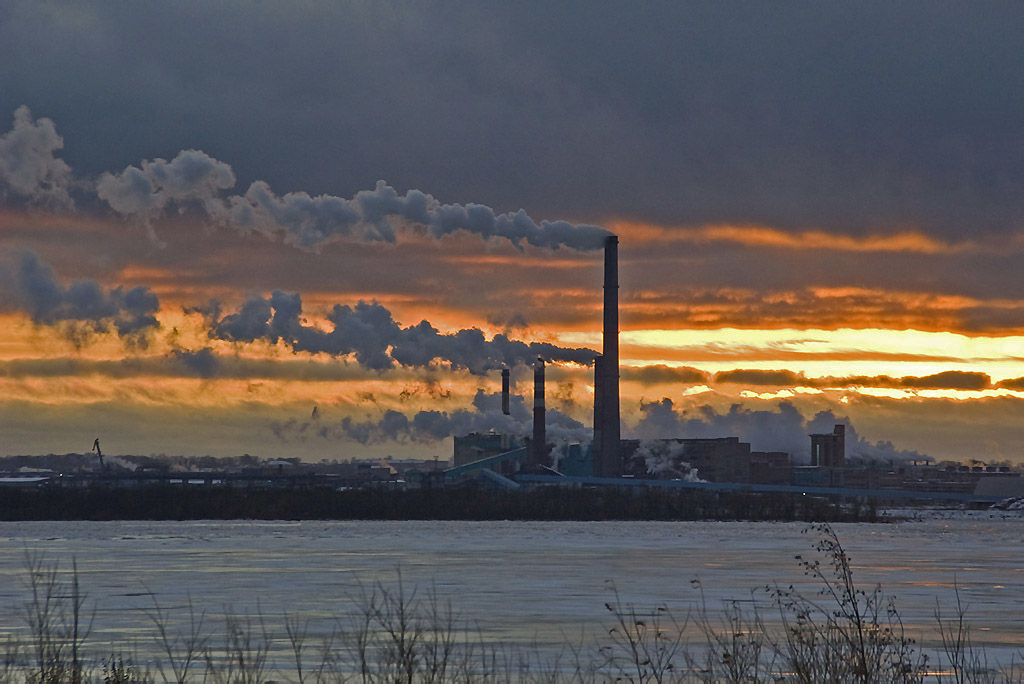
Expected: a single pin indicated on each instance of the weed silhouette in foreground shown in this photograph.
(836, 632)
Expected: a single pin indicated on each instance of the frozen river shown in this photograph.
(516, 582)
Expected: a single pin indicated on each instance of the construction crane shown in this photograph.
(96, 448)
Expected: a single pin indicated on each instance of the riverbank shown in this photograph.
(184, 502)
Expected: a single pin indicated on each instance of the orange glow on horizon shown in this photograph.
(764, 236)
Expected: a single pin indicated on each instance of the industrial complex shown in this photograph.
(720, 463)
(515, 461)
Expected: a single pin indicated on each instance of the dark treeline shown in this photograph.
(178, 502)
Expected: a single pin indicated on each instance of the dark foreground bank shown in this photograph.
(179, 502)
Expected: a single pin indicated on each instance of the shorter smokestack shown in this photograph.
(538, 452)
(504, 391)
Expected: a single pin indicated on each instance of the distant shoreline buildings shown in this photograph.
(516, 461)
(723, 461)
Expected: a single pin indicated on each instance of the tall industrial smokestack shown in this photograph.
(598, 412)
(504, 391)
(538, 451)
(606, 382)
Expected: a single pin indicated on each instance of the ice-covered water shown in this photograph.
(517, 582)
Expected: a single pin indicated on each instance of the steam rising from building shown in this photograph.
(665, 458)
(783, 429)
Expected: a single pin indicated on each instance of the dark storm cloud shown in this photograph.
(958, 380)
(84, 307)
(370, 333)
(508, 321)
(661, 374)
(783, 429)
(951, 380)
(201, 363)
(776, 378)
(741, 286)
(840, 115)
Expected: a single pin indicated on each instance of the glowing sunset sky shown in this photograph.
(216, 216)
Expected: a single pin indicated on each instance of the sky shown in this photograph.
(319, 229)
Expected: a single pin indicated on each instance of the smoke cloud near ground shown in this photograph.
(370, 333)
(433, 426)
(665, 460)
(785, 429)
(83, 308)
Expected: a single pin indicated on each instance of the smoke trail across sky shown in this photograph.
(195, 180)
(370, 333)
(83, 307)
(192, 175)
(28, 167)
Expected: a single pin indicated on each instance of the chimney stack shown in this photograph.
(606, 372)
(504, 391)
(598, 411)
(538, 451)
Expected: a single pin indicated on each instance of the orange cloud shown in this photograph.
(764, 236)
(818, 307)
(945, 380)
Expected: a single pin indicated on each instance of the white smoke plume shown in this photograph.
(370, 333)
(191, 176)
(28, 166)
(309, 222)
(666, 459)
(195, 180)
(303, 221)
(785, 429)
(432, 426)
(376, 215)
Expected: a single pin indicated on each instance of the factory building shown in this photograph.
(829, 450)
(480, 445)
(503, 458)
(724, 459)
(719, 459)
